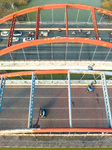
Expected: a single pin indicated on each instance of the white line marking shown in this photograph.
(16, 119)
(56, 97)
(98, 119)
(51, 86)
(17, 108)
(6, 119)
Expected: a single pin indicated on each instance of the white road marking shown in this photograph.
(44, 119)
(54, 108)
(98, 119)
(51, 86)
(57, 97)
(6, 119)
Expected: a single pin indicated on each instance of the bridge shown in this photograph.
(62, 67)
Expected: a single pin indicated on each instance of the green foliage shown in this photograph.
(107, 4)
(6, 7)
(20, 2)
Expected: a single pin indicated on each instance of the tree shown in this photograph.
(6, 7)
(107, 4)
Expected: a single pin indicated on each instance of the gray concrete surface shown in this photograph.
(43, 65)
(56, 141)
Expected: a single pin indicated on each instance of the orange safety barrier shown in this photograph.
(58, 130)
(55, 40)
(48, 130)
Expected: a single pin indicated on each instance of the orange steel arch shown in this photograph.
(55, 40)
(53, 6)
(56, 6)
(38, 72)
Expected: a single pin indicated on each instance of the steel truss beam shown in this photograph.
(9, 43)
(107, 104)
(106, 99)
(37, 24)
(55, 40)
(69, 100)
(2, 86)
(30, 118)
(95, 24)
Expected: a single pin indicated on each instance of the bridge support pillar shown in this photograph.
(2, 86)
(30, 117)
(69, 100)
(106, 99)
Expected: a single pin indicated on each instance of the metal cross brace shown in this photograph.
(69, 100)
(31, 101)
(2, 86)
(106, 99)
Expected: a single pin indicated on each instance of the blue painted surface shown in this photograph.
(111, 40)
(2, 87)
(106, 100)
(90, 88)
(31, 101)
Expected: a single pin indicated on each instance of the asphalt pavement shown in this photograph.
(60, 51)
(88, 109)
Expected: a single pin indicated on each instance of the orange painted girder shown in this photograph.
(55, 40)
(55, 6)
(38, 72)
(66, 17)
(109, 130)
(37, 24)
(9, 43)
(95, 24)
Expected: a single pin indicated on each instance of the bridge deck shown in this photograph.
(88, 108)
(62, 51)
